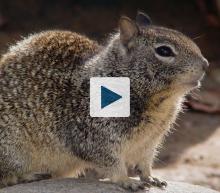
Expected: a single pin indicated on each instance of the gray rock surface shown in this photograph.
(88, 186)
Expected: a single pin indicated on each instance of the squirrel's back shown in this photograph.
(54, 46)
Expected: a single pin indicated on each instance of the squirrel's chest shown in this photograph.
(149, 134)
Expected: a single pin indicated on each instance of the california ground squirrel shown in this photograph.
(45, 126)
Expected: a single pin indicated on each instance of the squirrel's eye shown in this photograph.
(164, 51)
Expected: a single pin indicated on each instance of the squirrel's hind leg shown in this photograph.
(8, 181)
(27, 178)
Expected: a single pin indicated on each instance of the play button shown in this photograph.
(108, 97)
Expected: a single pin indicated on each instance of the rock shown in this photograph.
(88, 186)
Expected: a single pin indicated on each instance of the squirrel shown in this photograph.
(45, 127)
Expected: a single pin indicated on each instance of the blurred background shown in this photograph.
(192, 151)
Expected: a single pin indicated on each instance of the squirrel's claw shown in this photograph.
(151, 181)
(133, 185)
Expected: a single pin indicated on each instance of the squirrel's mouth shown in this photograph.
(196, 82)
(190, 82)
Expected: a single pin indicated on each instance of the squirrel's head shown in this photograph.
(159, 57)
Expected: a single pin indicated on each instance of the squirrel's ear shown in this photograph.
(142, 19)
(128, 30)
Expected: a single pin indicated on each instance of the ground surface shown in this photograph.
(83, 186)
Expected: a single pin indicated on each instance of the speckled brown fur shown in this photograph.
(47, 59)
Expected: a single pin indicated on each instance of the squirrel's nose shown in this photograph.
(205, 64)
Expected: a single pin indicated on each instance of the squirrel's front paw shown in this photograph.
(151, 181)
(131, 184)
